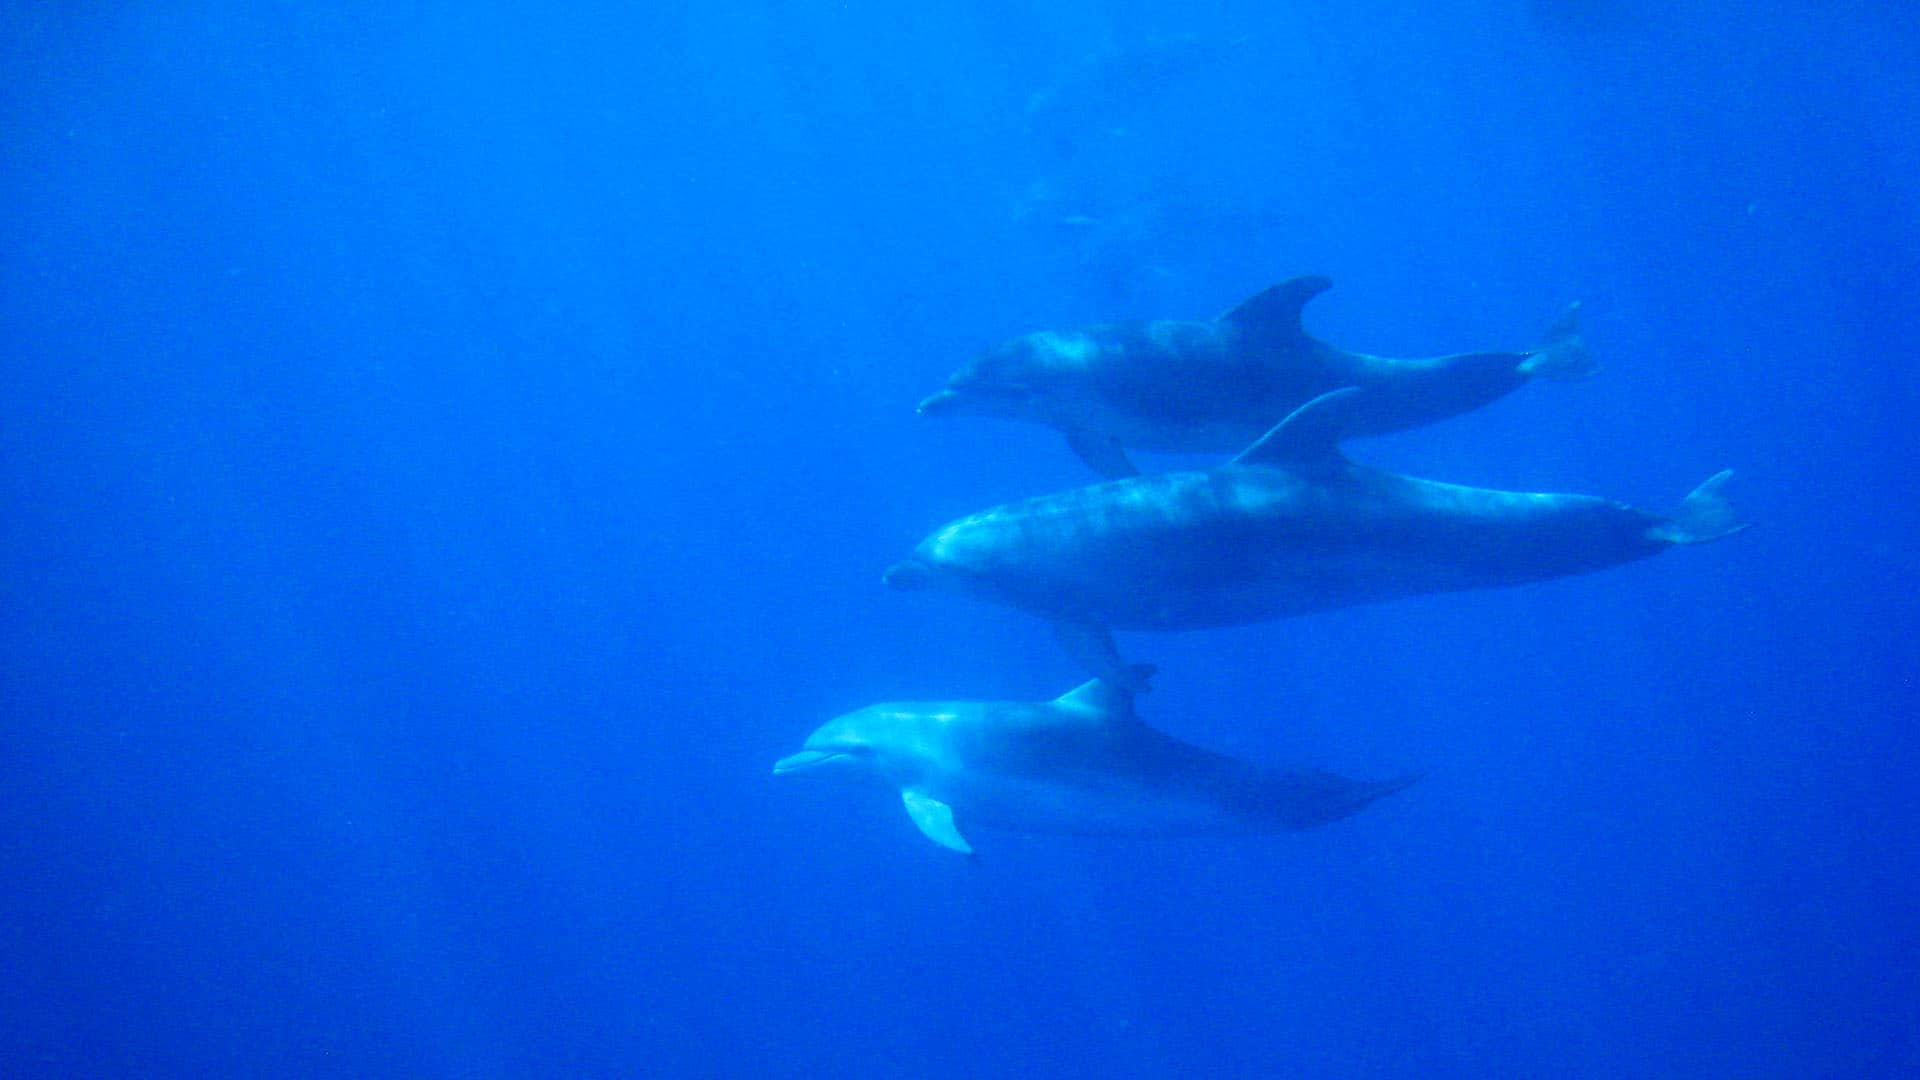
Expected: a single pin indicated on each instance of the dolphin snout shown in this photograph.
(938, 404)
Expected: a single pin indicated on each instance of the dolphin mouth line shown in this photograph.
(805, 759)
(937, 403)
(909, 573)
(973, 395)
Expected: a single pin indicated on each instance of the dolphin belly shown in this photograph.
(1207, 796)
(1091, 806)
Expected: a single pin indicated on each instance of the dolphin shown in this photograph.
(1290, 526)
(1216, 386)
(1082, 764)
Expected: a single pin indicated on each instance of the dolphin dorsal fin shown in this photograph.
(1310, 435)
(1097, 696)
(1272, 316)
(935, 819)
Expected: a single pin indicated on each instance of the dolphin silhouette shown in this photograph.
(1172, 385)
(1081, 764)
(1290, 526)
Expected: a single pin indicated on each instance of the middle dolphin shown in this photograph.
(1288, 527)
(1207, 387)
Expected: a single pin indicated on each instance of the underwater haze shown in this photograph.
(449, 451)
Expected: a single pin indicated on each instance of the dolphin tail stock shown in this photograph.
(1564, 353)
(1705, 514)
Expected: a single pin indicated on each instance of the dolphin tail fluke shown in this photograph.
(1705, 514)
(1564, 354)
(1311, 798)
(1380, 789)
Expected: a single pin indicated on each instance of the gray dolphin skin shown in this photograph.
(1216, 386)
(1082, 764)
(1290, 526)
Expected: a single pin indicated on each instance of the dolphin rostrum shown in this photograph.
(1288, 527)
(1081, 764)
(1172, 385)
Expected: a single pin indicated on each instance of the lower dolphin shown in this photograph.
(1174, 385)
(1081, 764)
(1290, 526)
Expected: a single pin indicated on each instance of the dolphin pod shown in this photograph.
(1288, 527)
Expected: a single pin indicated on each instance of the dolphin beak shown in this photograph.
(908, 574)
(805, 759)
(939, 404)
(971, 395)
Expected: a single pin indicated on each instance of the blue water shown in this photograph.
(450, 450)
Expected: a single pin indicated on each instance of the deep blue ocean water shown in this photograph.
(449, 451)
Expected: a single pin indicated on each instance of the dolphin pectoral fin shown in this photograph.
(935, 819)
(1705, 514)
(1091, 646)
(1102, 454)
(1310, 435)
(1271, 317)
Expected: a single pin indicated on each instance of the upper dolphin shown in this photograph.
(1171, 385)
(1289, 526)
(1081, 764)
